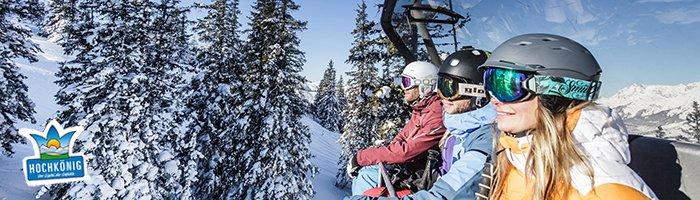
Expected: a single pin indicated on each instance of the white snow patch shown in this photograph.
(165, 156)
(50, 50)
(325, 152)
(12, 185)
(33, 69)
(171, 168)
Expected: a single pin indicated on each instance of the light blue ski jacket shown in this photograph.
(473, 132)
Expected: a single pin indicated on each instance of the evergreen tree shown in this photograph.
(393, 111)
(361, 112)
(165, 58)
(15, 105)
(323, 86)
(275, 156)
(328, 107)
(327, 80)
(61, 14)
(77, 41)
(341, 92)
(216, 92)
(121, 87)
(693, 122)
(342, 101)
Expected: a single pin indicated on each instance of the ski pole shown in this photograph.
(387, 181)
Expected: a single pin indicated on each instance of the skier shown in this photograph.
(421, 133)
(469, 120)
(558, 143)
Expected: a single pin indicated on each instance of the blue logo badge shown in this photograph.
(53, 160)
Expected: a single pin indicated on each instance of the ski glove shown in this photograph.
(379, 143)
(352, 167)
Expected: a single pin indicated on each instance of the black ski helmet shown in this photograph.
(545, 54)
(463, 64)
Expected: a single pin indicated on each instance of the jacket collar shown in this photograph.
(463, 123)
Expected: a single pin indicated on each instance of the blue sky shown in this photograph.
(635, 41)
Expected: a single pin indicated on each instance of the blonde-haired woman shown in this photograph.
(557, 143)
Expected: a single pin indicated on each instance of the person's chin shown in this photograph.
(446, 105)
(505, 128)
(410, 101)
(510, 127)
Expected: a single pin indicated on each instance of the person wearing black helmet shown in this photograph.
(468, 117)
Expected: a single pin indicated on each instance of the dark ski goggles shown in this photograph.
(451, 88)
(509, 85)
(407, 82)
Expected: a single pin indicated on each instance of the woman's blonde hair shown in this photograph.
(552, 154)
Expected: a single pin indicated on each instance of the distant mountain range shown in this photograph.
(645, 107)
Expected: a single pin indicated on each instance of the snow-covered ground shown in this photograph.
(12, 185)
(40, 80)
(325, 151)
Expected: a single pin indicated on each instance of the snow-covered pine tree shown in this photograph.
(215, 95)
(166, 56)
(343, 101)
(275, 158)
(15, 105)
(327, 106)
(361, 112)
(60, 15)
(341, 91)
(120, 87)
(322, 87)
(393, 111)
(76, 41)
(327, 80)
(692, 120)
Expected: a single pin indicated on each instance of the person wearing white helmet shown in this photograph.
(410, 146)
(419, 80)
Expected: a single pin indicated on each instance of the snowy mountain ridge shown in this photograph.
(644, 107)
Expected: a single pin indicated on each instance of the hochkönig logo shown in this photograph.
(53, 160)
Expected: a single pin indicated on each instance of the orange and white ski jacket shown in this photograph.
(601, 136)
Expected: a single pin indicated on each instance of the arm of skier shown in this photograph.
(401, 151)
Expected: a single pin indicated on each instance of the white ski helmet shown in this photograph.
(420, 74)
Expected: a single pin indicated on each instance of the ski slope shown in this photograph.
(40, 81)
(12, 185)
(325, 151)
